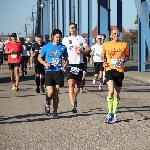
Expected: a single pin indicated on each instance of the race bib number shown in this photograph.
(14, 55)
(56, 62)
(75, 70)
(116, 63)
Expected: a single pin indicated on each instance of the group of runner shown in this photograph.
(49, 66)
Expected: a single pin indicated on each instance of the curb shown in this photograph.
(137, 77)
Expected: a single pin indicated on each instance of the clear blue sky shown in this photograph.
(13, 14)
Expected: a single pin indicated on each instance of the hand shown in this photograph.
(77, 51)
(122, 59)
(105, 64)
(63, 69)
(91, 62)
(12, 50)
(47, 65)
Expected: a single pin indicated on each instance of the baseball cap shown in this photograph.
(28, 39)
(98, 37)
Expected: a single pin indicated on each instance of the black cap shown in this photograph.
(46, 36)
(14, 35)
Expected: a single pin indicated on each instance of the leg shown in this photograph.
(22, 66)
(56, 98)
(83, 80)
(100, 80)
(49, 97)
(101, 68)
(17, 75)
(117, 88)
(42, 79)
(71, 84)
(110, 80)
(96, 69)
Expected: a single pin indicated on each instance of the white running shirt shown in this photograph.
(97, 53)
(72, 43)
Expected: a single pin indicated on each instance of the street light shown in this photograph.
(42, 5)
(53, 13)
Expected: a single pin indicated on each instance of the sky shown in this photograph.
(14, 13)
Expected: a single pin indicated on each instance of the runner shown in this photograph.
(28, 45)
(24, 59)
(14, 51)
(46, 39)
(32, 53)
(76, 47)
(85, 59)
(53, 51)
(1, 52)
(97, 59)
(115, 54)
(8, 40)
(39, 68)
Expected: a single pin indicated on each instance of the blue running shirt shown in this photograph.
(53, 55)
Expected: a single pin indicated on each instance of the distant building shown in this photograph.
(95, 30)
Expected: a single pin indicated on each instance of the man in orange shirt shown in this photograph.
(14, 51)
(115, 54)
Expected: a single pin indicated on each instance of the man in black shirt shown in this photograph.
(39, 68)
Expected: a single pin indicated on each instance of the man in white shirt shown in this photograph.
(24, 60)
(76, 47)
(97, 59)
(1, 53)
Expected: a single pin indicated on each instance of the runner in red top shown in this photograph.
(14, 51)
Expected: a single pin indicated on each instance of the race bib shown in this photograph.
(75, 70)
(28, 53)
(116, 63)
(56, 62)
(14, 55)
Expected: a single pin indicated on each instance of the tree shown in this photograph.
(132, 36)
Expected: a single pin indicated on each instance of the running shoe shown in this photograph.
(47, 109)
(109, 118)
(55, 114)
(115, 118)
(73, 109)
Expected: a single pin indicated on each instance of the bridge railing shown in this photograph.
(133, 49)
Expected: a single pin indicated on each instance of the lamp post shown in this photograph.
(32, 19)
(25, 30)
(52, 2)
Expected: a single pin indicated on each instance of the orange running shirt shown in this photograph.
(114, 51)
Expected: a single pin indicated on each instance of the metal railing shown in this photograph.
(133, 49)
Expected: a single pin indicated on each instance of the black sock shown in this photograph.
(48, 102)
(37, 82)
(83, 83)
(42, 82)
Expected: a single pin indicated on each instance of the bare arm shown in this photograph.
(87, 50)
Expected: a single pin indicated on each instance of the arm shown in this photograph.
(7, 51)
(40, 57)
(65, 55)
(87, 49)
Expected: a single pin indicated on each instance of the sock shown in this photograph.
(48, 102)
(42, 81)
(115, 104)
(110, 104)
(37, 82)
(83, 83)
(104, 76)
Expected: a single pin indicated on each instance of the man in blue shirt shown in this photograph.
(53, 53)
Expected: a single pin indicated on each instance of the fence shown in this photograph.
(133, 49)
